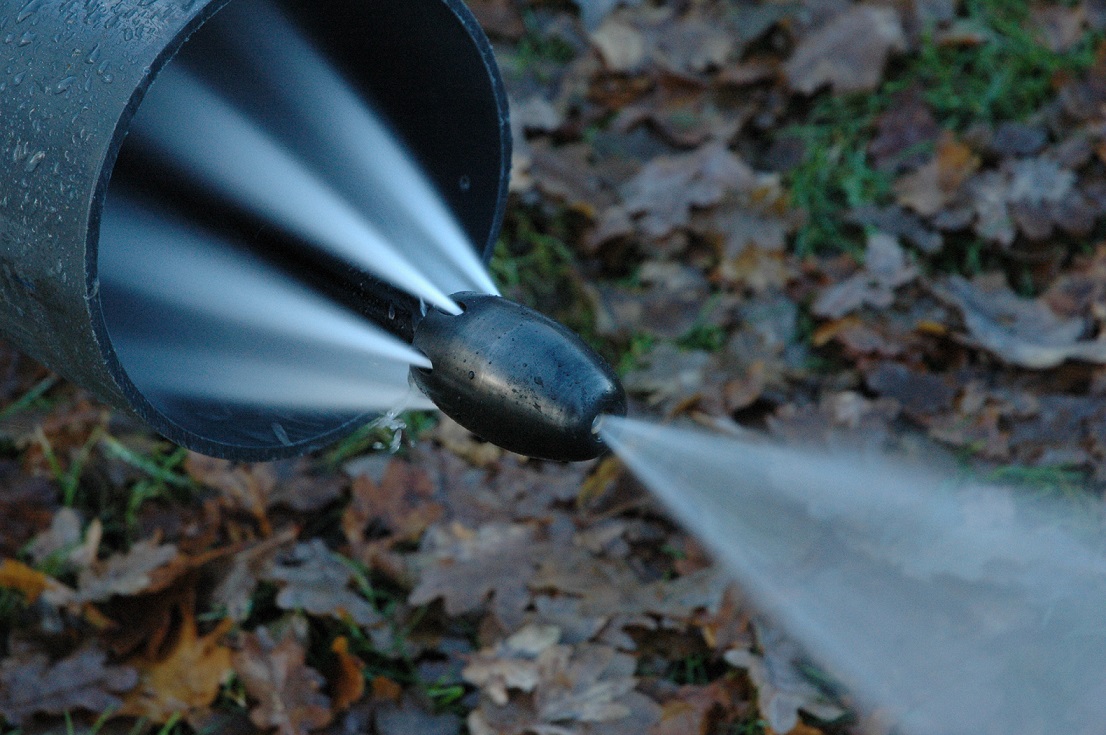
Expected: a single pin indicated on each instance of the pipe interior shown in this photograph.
(420, 67)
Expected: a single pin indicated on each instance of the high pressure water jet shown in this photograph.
(233, 218)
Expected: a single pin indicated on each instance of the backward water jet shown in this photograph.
(429, 73)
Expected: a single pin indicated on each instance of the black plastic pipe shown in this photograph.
(72, 75)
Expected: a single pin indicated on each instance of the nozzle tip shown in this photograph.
(517, 378)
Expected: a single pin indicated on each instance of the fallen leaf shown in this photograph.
(125, 574)
(314, 579)
(399, 507)
(782, 690)
(464, 566)
(593, 12)
(904, 133)
(669, 374)
(248, 487)
(935, 185)
(244, 569)
(1059, 27)
(578, 688)
(512, 664)
(302, 489)
(698, 710)
(1038, 180)
(18, 576)
(80, 682)
(848, 53)
(408, 717)
(666, 190)
(185, 681)
(897, 221)
(886, 268)
(286, 691)
(622, 47)
(1023, 332)
(348, 683)
(499, 18)
(62, 538)
(921, 394)
(27, 506)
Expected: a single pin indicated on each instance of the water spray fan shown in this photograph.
(74, 79)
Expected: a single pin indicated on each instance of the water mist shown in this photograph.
(950, 606)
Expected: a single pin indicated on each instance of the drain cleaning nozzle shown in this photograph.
(517, 378)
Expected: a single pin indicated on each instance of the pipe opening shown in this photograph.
(170, 236)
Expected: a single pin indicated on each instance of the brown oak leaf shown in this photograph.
(463, 567)
(315, 579)
(1023, 332)
(665, 191)
(849, 52)
(125, 574)
(80, 682)
(287, 692)
(186, 680)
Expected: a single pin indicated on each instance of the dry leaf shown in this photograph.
(848, 53)
(348, 683)
(398, 507)
(286, 690)
(463, 567)
(512, 664)
(666, 190)
(248, 487)
(314, 579)
(125, 574)
(578, 688)
(18, 576)
(27, 506)
(935, 185)
(1023, 332)
(886, 268)
(80, 682)
(622, 47)
(698, 710)
(186, 680)
(903, 133)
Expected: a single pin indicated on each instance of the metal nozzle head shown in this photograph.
(517, 378)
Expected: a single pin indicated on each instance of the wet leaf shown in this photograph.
(782, 690)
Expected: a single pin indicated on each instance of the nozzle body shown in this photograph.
(517, 378)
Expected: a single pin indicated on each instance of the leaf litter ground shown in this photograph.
(871, 224)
